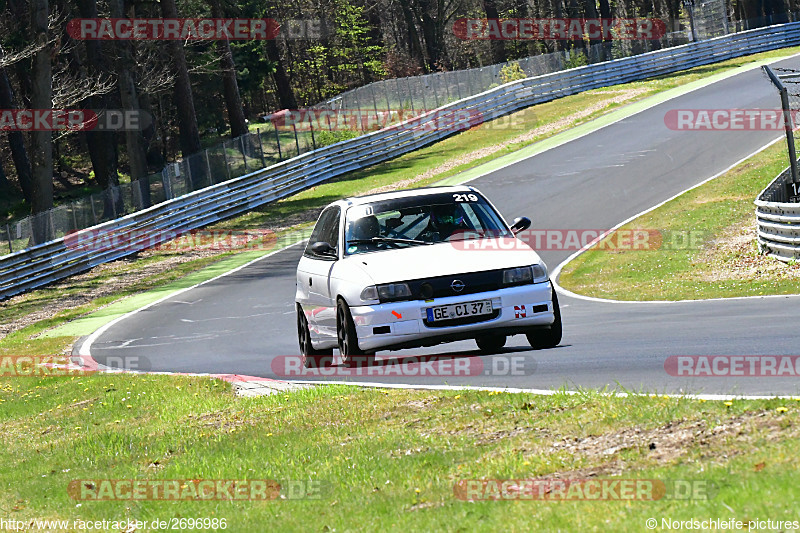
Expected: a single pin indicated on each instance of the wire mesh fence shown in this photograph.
(229, 160)
(787, 82)
(711, 19)
(289, 133)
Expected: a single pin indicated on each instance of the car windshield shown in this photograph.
(420, 220)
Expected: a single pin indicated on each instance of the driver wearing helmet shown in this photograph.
(445, 220)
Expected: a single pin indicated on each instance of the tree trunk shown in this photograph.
(498, 47)
(42, 145)
(16, 141)
(414, 47)
(605, 12)
(134, 140)
(188, 133)
(155, 158)
(230, 86)
(428, 24)
(101, 144)
(184, 101)
(285, 94)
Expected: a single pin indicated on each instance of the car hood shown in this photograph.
(444, 259)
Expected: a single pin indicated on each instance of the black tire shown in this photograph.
(347, 337)
(312, 358)
(491, 343)
(540, 339)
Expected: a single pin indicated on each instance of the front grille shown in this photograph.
(441, 286)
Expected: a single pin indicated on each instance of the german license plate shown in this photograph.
(454, 311)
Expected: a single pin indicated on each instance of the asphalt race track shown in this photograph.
(242, 322)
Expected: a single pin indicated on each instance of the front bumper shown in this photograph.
(403, 324)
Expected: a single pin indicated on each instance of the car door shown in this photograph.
(314, 273)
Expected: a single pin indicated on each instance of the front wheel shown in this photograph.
(347, 337)
(491, 343)
(547, 338)
(312, 358)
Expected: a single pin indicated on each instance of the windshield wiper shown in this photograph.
(387, 239)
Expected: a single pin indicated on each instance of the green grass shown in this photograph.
(387, 459)
(678, 269)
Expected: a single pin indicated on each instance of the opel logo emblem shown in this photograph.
(457, 285)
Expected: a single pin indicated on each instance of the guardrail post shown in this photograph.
(260, 148)
(94, 213)
(113, 198)
(189, 180)
(435, 90)
(8, 235)
(446, 88)
(278, 142)
(296, 142)
(244, 155)
(385, 86)
(374, 101)
(225, 158)
(166, 182)
(208, 168)
(410, 94)
(311, 129)
(787, 120)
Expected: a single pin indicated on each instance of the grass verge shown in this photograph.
(708, 246)
(389, 459)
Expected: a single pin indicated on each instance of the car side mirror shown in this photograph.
(520, 224)
(323, 249)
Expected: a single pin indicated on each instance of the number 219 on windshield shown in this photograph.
(465, 197)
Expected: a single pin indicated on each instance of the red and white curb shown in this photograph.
(246, 386)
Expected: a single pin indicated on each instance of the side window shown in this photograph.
(330, 229)
(326, 230)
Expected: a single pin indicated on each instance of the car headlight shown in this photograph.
(388, 292)
(539, 273)
(369, 293)
(392, 292)
(517, 276)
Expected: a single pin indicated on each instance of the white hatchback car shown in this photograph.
(417, 268)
